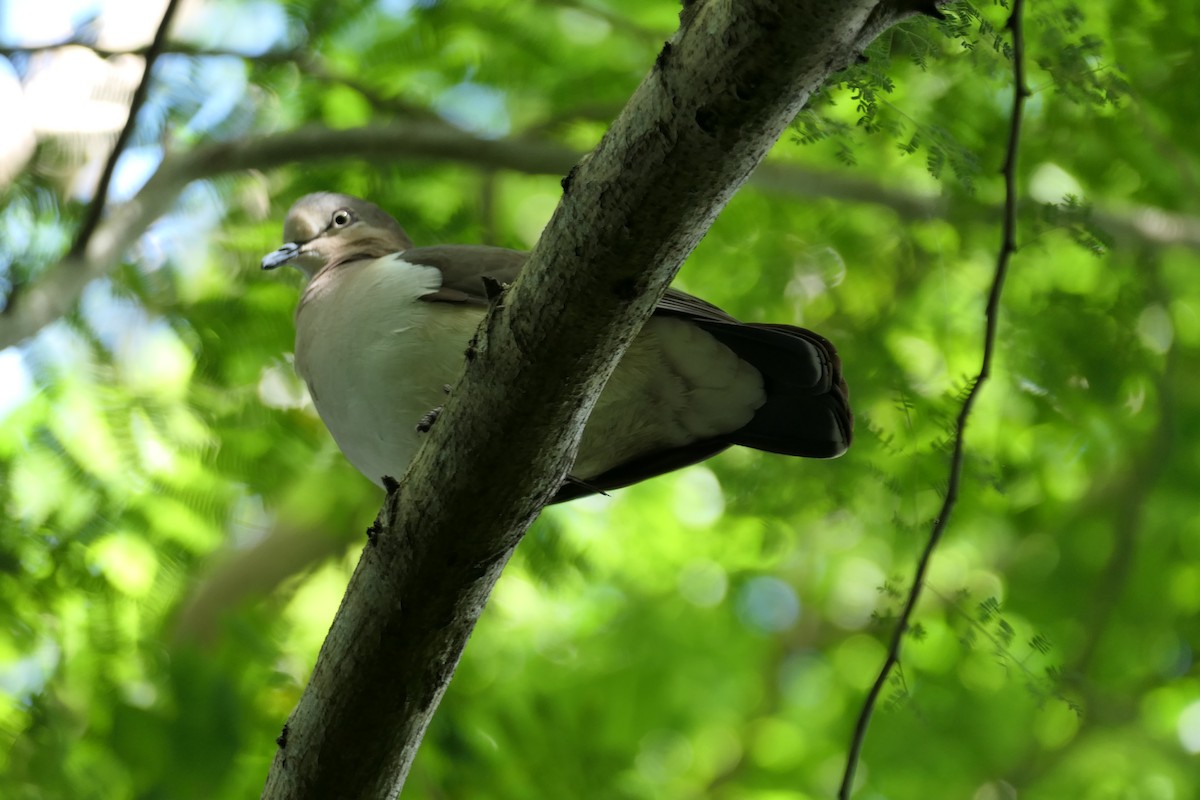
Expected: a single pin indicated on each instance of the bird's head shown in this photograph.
(329, 228)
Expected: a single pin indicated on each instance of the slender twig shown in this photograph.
(135, 104)
(1008, 246)
(306, 61)
(174, 48)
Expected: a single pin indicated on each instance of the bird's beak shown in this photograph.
(284, 255)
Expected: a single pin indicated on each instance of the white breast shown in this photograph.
(375, 357)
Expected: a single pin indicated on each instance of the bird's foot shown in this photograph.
(427, 421)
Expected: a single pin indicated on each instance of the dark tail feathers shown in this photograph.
(807, 412)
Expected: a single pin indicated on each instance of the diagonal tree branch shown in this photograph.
(721, 92)
(1008, 246)
(96, 208)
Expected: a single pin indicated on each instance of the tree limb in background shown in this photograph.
(1008, 246)
(55, 292)
(1124, 499)
(239, 576)
(1127, 498)
(96, 208)
(719, 95)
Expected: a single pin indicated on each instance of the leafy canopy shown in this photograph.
(178, 527)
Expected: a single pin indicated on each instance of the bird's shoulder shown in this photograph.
(465, 268)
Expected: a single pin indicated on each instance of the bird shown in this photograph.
(382, 328)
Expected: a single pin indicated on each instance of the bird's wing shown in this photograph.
(465, 267)
(642, 467)
(807, 408)
(681, 304)
(807, 411)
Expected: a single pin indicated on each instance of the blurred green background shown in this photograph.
(178, 528)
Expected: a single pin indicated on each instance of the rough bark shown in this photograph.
(719, 95)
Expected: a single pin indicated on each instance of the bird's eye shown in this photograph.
(342, 218)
